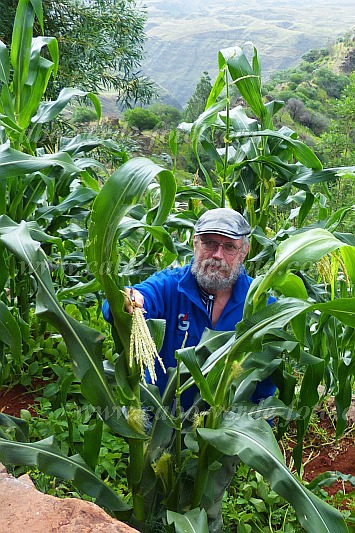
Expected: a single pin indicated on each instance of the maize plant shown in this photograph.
(176, 456)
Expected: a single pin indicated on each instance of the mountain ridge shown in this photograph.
(183, 38)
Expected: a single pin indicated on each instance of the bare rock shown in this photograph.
(24, 508)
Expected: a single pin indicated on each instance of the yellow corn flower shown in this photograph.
(324, 269)
(142, 347)
(137, 419)
(330, 268)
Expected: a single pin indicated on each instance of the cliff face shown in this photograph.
(183, 37)
(348, 63)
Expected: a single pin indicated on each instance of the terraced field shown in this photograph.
(185, 36)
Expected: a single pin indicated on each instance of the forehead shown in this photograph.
(217, 237)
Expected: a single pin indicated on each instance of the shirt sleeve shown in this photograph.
(157, 291)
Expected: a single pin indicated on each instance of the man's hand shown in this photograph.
(133, 296)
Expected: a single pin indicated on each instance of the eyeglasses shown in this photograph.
(227, 247)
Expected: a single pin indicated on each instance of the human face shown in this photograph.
(215, 269)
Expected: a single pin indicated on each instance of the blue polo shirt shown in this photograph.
(174, 295)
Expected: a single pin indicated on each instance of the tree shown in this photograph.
(338, 144)
(140, 118)
(197, 103)
(332, 83)
(169, 115)
(295, 107)
(83, 114)
(100, 43)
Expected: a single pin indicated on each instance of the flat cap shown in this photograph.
(222, 221)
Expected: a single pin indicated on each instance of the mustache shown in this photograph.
(219, 263)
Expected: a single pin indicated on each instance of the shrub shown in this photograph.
(140, 118)
(83, 114)
(295, 107)
(170, 116)
(332, 83)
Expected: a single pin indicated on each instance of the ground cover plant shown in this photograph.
(138, 221)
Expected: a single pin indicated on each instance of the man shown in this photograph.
(208, 293)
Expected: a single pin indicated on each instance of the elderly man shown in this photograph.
(207, 293)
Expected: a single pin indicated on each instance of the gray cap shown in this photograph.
(222, 221)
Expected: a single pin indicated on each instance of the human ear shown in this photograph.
(244, 251)
(195, 242)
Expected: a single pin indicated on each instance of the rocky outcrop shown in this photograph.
(25, 509)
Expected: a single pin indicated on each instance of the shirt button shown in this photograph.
(211, 297)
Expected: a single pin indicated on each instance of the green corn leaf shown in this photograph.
(47, 111)
(83, 343)
(342, 308)
(194, 521)
(292, 286)
(216, 90)
(268, 409)
(19, 426)
(297, 253)
(254, 442)
(348, 255)
(150, 397)
(120, 193)
(78, 197)
(53, 48)
(80, 289)
(336, 218)
(327, 479)
(48, 458)
(34, 88)
(300, 150)
(37, 6)
(4, 63)
(251, 331)
(205, 121)
(241, 122)
(157, 328)
(305, 209)
(307, 176)
(159, 233)
(255, 367)
(92, 444)
(187, 355)
(120, 372)
(308, 398)
(10, 333)
(21, 46)
(16, 163)
(245, 77)
(11, 125)
(6, 106)
(81, 143)
(39, 72)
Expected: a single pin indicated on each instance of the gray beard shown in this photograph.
(215, 281)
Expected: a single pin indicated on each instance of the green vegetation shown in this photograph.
(169, 116)
(197, 103)
(82, 114)
(73, 230)
(140, 118)
(310, 89)
(100, 43)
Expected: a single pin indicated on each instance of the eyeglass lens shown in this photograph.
(227, 247)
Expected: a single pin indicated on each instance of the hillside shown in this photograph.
(183, 37)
